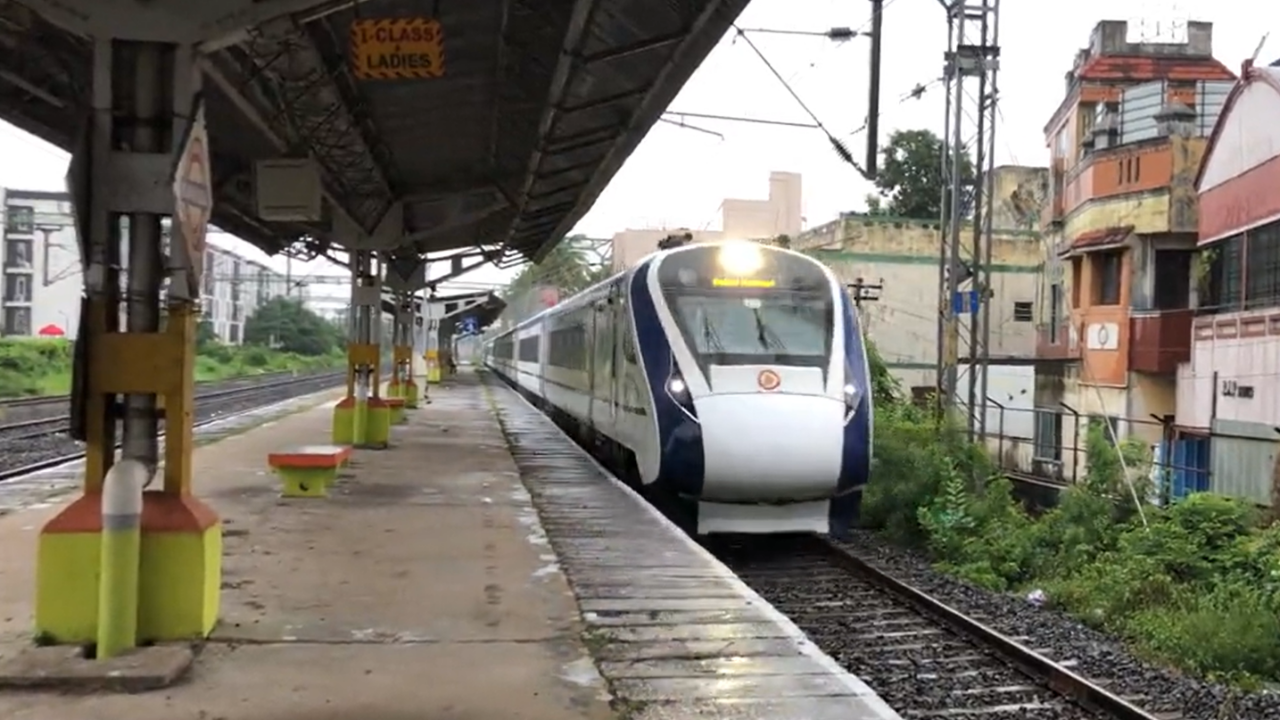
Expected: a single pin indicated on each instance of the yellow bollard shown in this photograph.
(121, 558)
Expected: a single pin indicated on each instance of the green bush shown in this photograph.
(1195, 585)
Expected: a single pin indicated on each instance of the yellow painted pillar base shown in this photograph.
(378, 427)
(411, 394)
(394, 389)
(433, 367)
(180, 574)
(344, 422)
(396, 405)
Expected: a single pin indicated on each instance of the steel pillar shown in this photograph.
(964, 271)
(122, 178)
(402, 383)
(434, 312)
(362, 418)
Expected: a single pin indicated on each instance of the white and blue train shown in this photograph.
(729, 378)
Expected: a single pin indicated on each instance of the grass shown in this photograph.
(43, 366)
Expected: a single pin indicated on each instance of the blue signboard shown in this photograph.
(469, 326)
(964, 302)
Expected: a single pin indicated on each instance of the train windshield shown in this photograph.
(776, 310)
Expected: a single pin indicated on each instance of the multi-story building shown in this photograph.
(1121, 223)
(235, 287)
(780, 214)
(43, 281)
(1228, 394)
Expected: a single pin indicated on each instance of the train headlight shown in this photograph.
(741, 258)
(851, 394)
(676, 386)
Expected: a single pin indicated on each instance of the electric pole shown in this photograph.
(862, 291)
(971, 65)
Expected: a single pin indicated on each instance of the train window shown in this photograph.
(786, 327)
(504, 347)
(567, 347)
(529, 349)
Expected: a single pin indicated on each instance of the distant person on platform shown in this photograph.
(453, 366)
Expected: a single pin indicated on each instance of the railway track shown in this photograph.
(924, 658)
(32, 445)
(15, 411)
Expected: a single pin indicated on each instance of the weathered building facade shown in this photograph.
(901, 255)
(1228, 394)
(1114, 313)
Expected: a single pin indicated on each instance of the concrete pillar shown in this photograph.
(144, 122)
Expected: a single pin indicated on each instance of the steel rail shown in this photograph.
(12, 474)
(1078, 689)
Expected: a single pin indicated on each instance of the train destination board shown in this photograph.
(397, 48)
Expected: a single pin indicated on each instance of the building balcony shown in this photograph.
(1056, 343)
(1159, 340)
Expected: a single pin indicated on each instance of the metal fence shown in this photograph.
(1236, 461)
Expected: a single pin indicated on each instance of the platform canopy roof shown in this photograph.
(485, 306)
(540, 103)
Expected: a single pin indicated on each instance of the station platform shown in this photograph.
(457, 574)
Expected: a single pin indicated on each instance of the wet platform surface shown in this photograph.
(674, 633)
(421, 588)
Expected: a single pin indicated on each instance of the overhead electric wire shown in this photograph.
(836, 144)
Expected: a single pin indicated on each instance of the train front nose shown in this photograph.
(770, 447)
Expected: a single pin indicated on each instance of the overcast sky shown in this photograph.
(678, 177)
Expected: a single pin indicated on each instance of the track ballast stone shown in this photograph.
(1062, 638)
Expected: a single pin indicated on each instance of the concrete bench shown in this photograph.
(309, 470)
(397, 405)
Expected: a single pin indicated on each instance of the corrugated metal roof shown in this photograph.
(1121, 68)
(1099, 239)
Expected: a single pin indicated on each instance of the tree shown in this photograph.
(287, 324)
(205, 335)
(564, 268)
(911, 178)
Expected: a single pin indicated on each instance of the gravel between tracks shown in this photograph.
(38, 449)
(1099, 657)
(916, 665)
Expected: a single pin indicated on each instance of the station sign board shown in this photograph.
(397, 48)
(193, 196)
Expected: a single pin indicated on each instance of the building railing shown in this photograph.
(1177, 462)
(1159, 339)
(1054, 342)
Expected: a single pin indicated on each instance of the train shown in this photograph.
(727, 382)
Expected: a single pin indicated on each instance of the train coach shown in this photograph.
(726, 379)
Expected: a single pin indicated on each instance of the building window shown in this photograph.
(1262, 281)
(1077, 280)
(16, 288)
(1022, 312)
(17, 253)
(17, 321)
(1223, 286)
(1108, 424)
(1048, 435)
(1055, 310)
(20, 219)
(922, 395)
(1173, 280)
(1106, 277)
